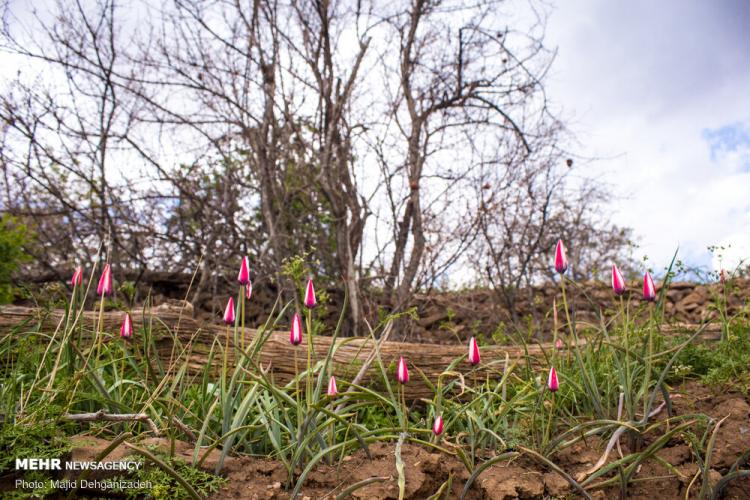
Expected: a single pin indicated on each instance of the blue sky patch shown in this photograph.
(728, 138)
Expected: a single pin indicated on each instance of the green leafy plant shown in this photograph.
(613, 382)
(14, 237)
(39, 440)
(155, 483)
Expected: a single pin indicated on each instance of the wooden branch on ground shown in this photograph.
(170, 323)
(102, 416)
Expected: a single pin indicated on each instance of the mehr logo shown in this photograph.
(38, 464)
(57, 464)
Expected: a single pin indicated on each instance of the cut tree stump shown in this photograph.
(195, 340)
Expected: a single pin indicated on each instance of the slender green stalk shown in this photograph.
(309, 379)
(404, 411)
(99, 333)
(224, 365)
(549, 422)
(242, 317)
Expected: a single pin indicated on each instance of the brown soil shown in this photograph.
(426, 471)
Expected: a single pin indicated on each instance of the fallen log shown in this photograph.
(180, 339)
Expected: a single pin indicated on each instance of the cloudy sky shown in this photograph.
(659, 93)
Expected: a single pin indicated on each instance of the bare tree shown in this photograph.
(61, 135)
(401, 144)
(462, 88)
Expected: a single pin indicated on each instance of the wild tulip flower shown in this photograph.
(552, 383)
(618, 284)
(105, 286)
(332, 390)
(723, 276)
(295, 334)
(126, 329)
(561, 260)
(244, 275)
(437, 427)
(77, 278)
(559, 344)
(473, 351)
(229, 312)
(402, 372)
(248, 290)
(649, 290)
(310, 300)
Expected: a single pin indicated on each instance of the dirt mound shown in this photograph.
(670, 476)
(673, 474)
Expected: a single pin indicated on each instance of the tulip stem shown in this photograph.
(80, 298)
(68, 336)
(626, 337)
(404, 417)
(242, 318)
(647, 378)
(309, 382)
(331, 434)
(296, 390)
(723, 313)
(122, 362)
(99, 329)
(224, 371)
(549, 422)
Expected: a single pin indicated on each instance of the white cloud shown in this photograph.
(643, 82)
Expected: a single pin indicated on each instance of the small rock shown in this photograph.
(714, 476)
(556, 485)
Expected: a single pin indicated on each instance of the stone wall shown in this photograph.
(448, 317)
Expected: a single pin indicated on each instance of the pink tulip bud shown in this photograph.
(473, 351)
(77, 278)
(126, 329)
(402, 372)
(552, 383)
(618, 284)
(244, 275)
(295, 334)
(248, 290)
(229, 312)
(649, 290)
(723, 276)
(332, 390)
(559, 344)
(105, 282)
(561, 260)
(310, 300)
(437, 427)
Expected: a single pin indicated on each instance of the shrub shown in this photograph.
(13, 239)
(726, 363)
